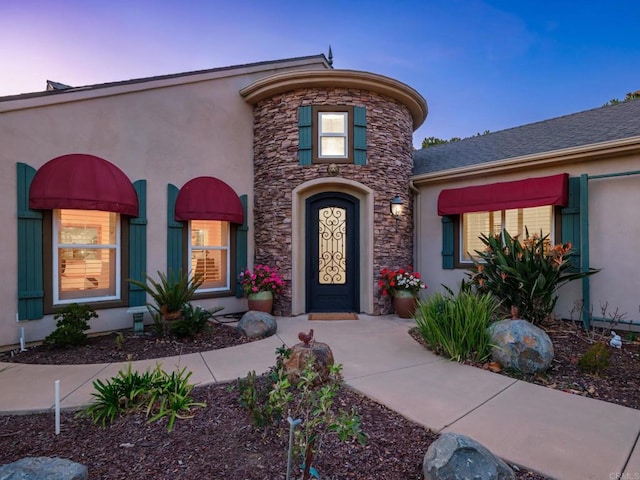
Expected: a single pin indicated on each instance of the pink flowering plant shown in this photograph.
(392, 281)
(262, 279)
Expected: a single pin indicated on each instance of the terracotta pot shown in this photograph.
(261, 302)
(405, 303)
(168, 316)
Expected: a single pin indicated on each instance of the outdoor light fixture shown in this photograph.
(395, 206)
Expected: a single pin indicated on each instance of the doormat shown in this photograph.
(333, 316)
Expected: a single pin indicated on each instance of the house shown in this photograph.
(574, 177)
(290, 163)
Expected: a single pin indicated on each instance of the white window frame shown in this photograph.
(55, 273)
(344, 134)
(227, 248)
(461, 236)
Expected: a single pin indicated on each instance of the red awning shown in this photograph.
(531, 192)
(207, 198)
(82, 182)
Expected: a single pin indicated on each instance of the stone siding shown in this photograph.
(277, 172)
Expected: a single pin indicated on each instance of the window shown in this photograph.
(333, 138)
(514, 221)
(210, 253)
(86, 256)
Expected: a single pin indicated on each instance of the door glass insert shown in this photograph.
(332, 240)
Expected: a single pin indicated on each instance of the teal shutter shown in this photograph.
(241, 246)
(174, 233)
(30, 276)
(138, 246)
(359, 135)
(447, 243)
(570, 221)
(305, 152)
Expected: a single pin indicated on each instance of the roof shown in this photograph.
(59, 88)
(604, 124)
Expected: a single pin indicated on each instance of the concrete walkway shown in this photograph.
(557, 434)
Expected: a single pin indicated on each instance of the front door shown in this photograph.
(332, 264)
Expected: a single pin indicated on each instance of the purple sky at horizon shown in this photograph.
(481, 65)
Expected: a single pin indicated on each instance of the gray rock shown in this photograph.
(458, 457)
(43, 468)
(520, 345)
(257, 324)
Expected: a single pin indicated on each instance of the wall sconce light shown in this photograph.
(395, 206)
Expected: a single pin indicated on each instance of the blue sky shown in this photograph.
(481, 65)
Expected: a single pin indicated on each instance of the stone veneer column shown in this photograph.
(277, 172)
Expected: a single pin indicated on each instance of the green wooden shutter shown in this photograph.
(30, 276)
(447, 243)
(359, 135)
(241, 247)
(174, 233)
(305, 152)
(138, 246)
(570, 221)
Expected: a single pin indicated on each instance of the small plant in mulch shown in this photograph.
(72, 322)
(595, 359)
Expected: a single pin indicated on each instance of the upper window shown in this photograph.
(210, 254)
(333, 134)
(86, 256)
(515, 221)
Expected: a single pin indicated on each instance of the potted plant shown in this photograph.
(260, 286)
(403, 285)
(170, 293)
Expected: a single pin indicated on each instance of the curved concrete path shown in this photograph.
(557, 434)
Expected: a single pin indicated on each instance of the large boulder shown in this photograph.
(43, 468)
(458, 457)
(254, 324)
(520, 345)
(317, 353)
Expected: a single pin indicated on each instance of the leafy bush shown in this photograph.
(595, 359)
(171, 292)
(71, 323)
(193, 321)
(525, 274)
(313, 405)
(456, 326)
(155, 392)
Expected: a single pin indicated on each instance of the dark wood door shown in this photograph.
(332, 265)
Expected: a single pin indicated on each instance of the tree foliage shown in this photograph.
(628, 97)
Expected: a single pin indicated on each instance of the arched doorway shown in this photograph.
(332, 266)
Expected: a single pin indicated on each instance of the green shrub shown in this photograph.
(171, 292)
(71, 323)
(155, 392)
(456, 326)
(193, 321)
(595, 359)
(525, 274)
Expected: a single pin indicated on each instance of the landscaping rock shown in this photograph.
(318, 353)
(255, 324)
(520, 345)
(43, 468)
(458, 457)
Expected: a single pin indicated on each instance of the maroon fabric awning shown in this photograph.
(82, 182)
(531, 192)
(207, 198)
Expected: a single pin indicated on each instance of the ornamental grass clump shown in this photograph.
(456, 326)
(524, 273)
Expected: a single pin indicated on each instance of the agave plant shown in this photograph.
(171, 292)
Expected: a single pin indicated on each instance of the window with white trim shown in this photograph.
(333, 135)
(515, 221)
(86, 256)
(210, 253)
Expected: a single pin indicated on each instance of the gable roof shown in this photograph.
(604, 124)
(57, 88)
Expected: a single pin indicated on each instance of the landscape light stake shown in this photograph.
(292, 426)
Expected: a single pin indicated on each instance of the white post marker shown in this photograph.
(57, 407)
(23, 340)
